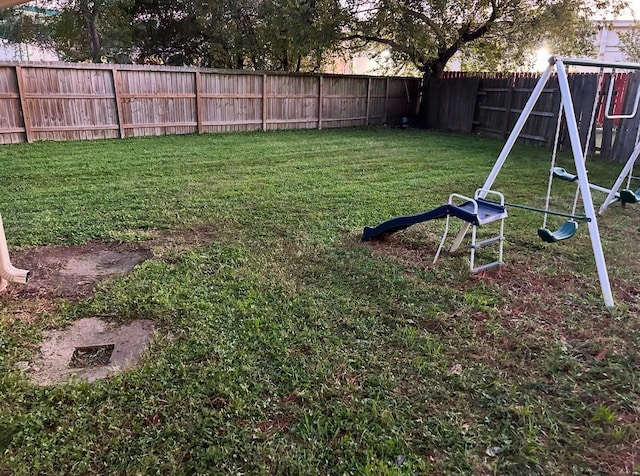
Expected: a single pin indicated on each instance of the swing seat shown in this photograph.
(566, 231)
(561, 173)
(629, 196)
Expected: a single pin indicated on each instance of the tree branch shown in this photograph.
(430, 23)
(395, 45)
(467, 36)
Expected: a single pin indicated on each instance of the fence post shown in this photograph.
(606, 146)
(386, 101)
(320, 102)
(199, 102)
(507, 107)
(366, 120)
(26, 117)
(115, 77)
(264, 102)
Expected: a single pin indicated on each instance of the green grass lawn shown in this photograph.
(287, 346)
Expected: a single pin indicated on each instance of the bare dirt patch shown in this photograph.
(56, 362)
(73, 271)
(411, 249)
(90, 348)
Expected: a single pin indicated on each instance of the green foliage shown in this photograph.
(298, 34)
(17, 26)
(213, 34)
(286, 346)
(489, 34)
(630, 43)
(91, 30)
(257, 34)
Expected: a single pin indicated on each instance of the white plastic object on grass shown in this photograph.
(8, 272)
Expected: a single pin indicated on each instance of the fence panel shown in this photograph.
(583, 93)
(67, 104)
(344, 101)
(377, 101)
(402, 99)
(543, 118)
(231, 102)
(64, 101)
(11, 124)
(451, 103)
(499, 100)
(292, 102)
(493, 111)
(608, 125)
(157, 102)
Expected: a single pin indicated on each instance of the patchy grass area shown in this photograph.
(286, 346)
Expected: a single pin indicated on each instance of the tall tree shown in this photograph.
(299, 35)
(18, 27)
(630, 43)
(185, 32)
(90, 12)
(288, 35)
(429, 33)
(91, 30)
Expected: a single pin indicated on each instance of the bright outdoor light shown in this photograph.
(542, 58)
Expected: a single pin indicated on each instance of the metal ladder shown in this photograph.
(475, 244)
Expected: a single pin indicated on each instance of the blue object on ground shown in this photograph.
(487, 212)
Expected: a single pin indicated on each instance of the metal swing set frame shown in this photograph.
(558, 65)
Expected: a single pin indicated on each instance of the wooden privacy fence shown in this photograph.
(491, 103)
(61, 101)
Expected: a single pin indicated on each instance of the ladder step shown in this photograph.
(488, 241)
(485, 267)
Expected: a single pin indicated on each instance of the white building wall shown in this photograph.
(25, 52)
(608, 40)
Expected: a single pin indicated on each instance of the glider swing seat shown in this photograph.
(567, 230)
(629, 196)
(624, 196)
(570, 227)
(616, 193)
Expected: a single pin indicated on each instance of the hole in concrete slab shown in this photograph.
(79, 352)
(91, 356)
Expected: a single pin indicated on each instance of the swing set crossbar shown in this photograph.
(548, 212)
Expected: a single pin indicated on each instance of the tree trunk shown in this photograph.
(94, 41)
(90, 17)
(433, 71)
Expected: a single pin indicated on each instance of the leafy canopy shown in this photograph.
(300, 35)
(630, 43)
(289, 35)
(429, 33)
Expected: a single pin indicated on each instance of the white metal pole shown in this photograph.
(599, 188)
(506, 149)
(598, 63)
(583, 182)
(625, 171)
